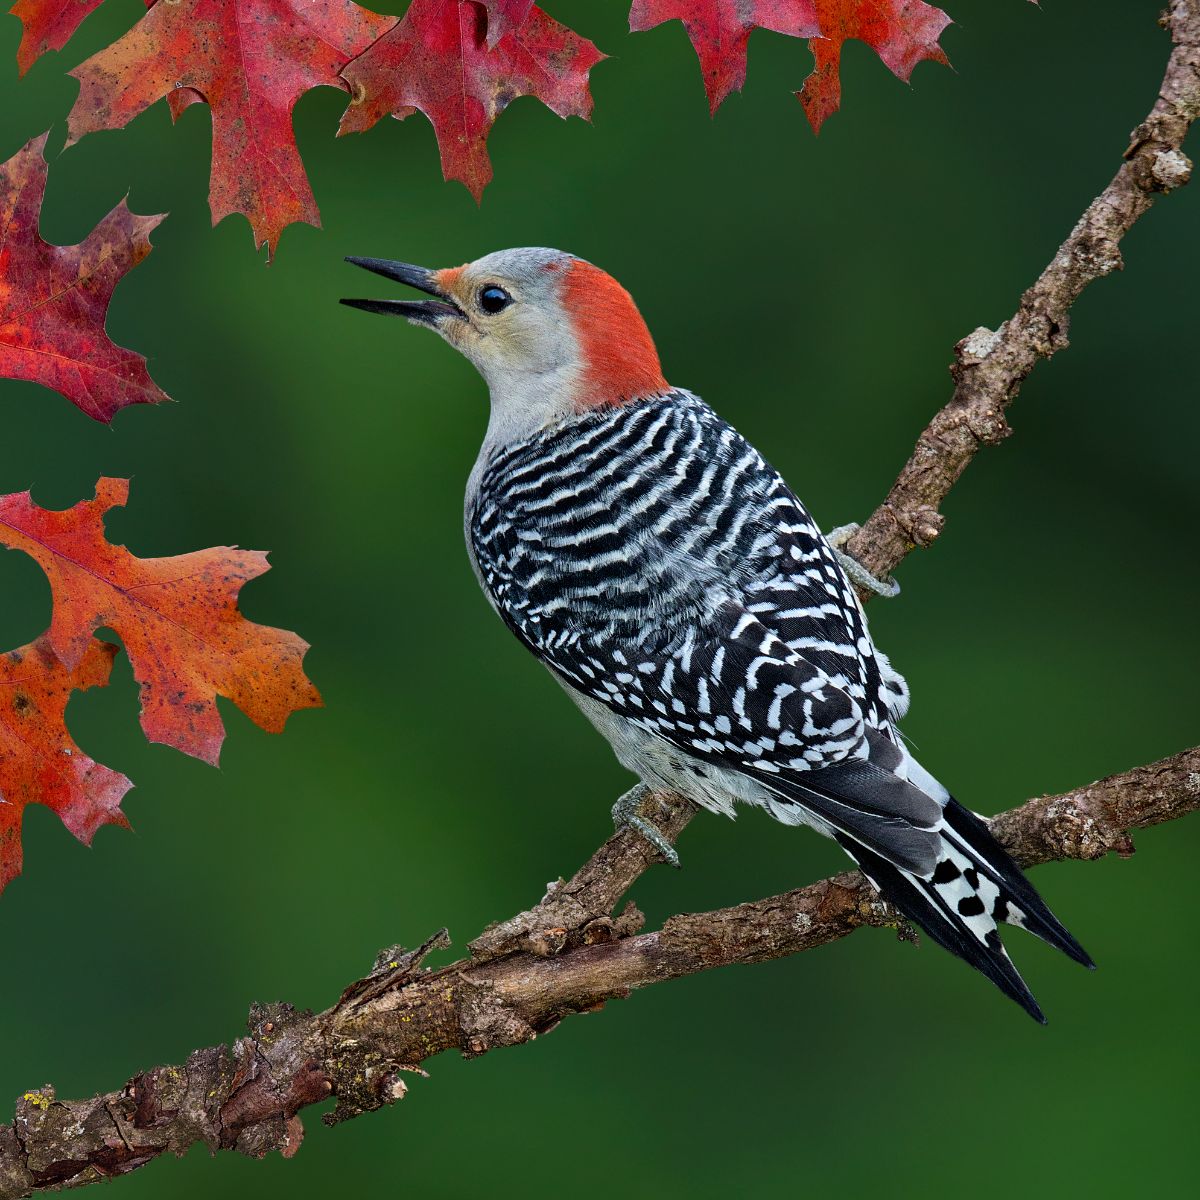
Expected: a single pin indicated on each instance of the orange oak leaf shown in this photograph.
(902, 32)
(177, 618)
(437, 61)
(719, 30)
(250, 60)
(53, 299)
(39, 761)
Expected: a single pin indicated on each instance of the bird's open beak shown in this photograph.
(421, 312)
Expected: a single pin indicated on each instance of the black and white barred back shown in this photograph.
(633, 522)
(654, 561)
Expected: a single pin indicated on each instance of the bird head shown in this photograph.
(550, 333)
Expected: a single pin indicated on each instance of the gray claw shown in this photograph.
(625, 814)
(656, 839)
(854, 569)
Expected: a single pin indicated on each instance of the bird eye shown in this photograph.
(492, 299)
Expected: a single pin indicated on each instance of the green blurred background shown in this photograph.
(811, 290)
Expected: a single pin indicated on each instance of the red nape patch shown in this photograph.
(620, 360)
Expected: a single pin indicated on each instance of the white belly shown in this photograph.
(667, 768)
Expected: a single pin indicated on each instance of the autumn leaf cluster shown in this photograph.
(176, 617)
(459, 62)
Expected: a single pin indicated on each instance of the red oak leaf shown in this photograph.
(720, 32)
(53, 299)
(437, 61)
(48, 25)
(39, 762)
(177, 618)
(902, 32)
(504, 16)
(251, 60)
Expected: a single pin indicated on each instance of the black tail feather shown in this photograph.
(975, 885)
(922, 905)
(1039, 920)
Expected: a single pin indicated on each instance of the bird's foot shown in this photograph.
(626, 815)
(856, 572)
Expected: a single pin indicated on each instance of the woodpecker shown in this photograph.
(683, 597)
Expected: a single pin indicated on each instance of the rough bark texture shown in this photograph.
(246, 1096)
(568, 954)
(990, 367)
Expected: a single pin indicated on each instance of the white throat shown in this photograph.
(523, 403)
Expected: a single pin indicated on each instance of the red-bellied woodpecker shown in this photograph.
(645, 552)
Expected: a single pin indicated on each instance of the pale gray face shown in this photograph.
(514, 322)
(505, 313)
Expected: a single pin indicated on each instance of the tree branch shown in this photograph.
(568, 954)
(989, 366)
(245, 1096)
